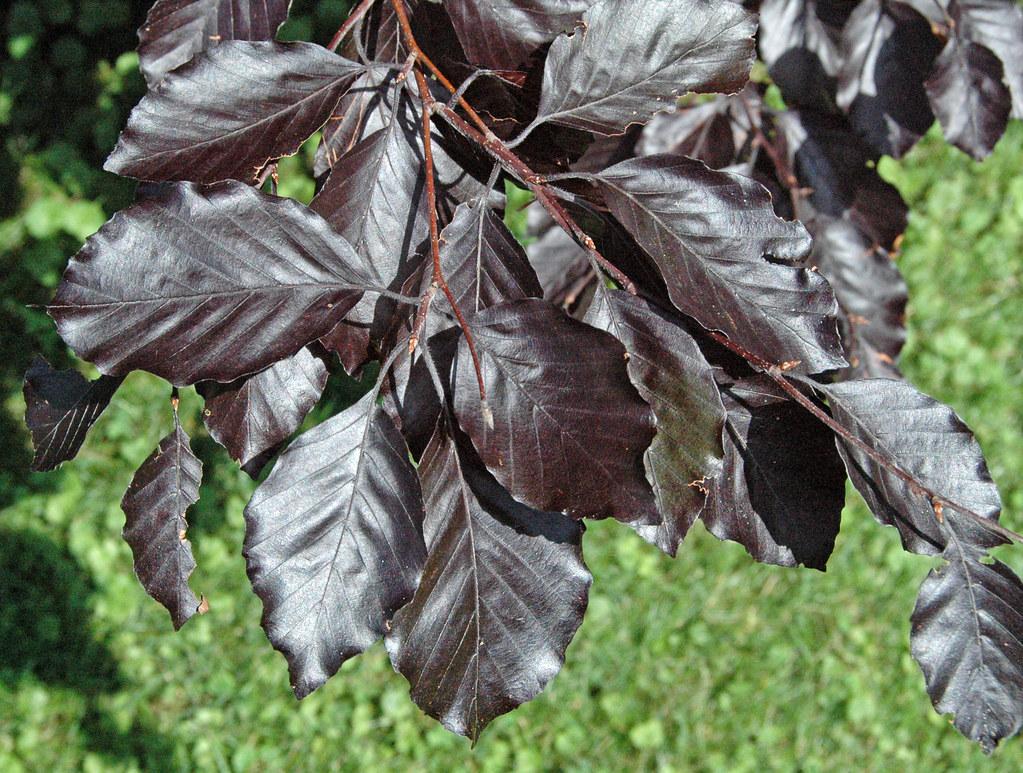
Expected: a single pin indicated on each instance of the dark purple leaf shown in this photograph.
(799, 42)
(839, 172)
(887, 53)
(782, 489)
(968, 97)
(482, 262)
(333, 541)
(177, 30)
(967, 637)
(503, 592)
(60, 408)
(561, 265)
(568, 430)
(502, 35)
(713, 132)
(163, 489)
(631, 59)
(364, 108)
(255, 413)
(231, 111)
(708, 232)
(196, 284)
(926, 440)
(670, 373)
(998, 26)
(871, 295)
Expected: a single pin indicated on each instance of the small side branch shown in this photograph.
(353, 18)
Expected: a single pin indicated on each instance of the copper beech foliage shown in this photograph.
(705, 325)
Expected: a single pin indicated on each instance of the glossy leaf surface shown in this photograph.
(177, 30)
(630, 59)
(255, 413)
(161, 492)
(928, 441)
(503, 592)
(60, 408)
(333, 541)
(551, 382)
(670, 373)
(231, 111)
(709, 232)
(251, 297)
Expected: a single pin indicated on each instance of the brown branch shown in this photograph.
(410, 41)
(938, 501)
(438, 274)
(357, 13)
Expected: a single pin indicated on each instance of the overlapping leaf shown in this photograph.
(887, 53)
(928, 442)
(503, 34)
(709, 232)
(551, 383)
(998, 26)
(333, 541)
(968, 96)
(230, 111)
(839, 176)
(234, 280)
(967, 637)
(799, 41)
(670, 373)
(503, 592)
(782, 489)
(255, 413)
(630, 59)
(161, 492)
(177, 30)
(60, 408)
(482, 262)
(871, 295)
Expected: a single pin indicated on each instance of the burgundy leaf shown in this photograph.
(482, 262)
(364, 108)
(503, 592)
(231, 111)
(561, 265)
(887, 53)
(840, 177)
(568, 430)
(631, 59)
(782, 489)
(250, 277)
(998, 26)
(60, 408)
(333, 541)
(670, 373)
(713, 132)
(177, 30)
(968, 97)
(967, 637)
(871, 295)
(163, 489)
(503, 34)
(799, 41)
(926, 440)
(255, 413)
(708, 232)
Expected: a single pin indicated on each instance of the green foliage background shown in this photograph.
(707, 662)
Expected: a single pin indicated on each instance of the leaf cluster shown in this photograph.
(706, 326)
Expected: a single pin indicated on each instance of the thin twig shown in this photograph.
(357, 13)
(410, 41)
(938, 501)
(438, 273)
